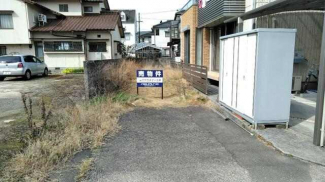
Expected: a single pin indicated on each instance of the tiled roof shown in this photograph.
(80, 23)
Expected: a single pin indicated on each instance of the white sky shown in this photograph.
(150, 6)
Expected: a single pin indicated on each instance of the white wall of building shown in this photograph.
(147, 40)
(116, 37)
(104, 37)
(75, 8)
(250, 5)
(19, 34)
(96, 7)
(248, 24)
(161, 40)
(130, 28)
(20, 49)
(62, 60)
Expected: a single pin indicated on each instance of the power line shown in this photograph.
(154, 19)
(159, 12)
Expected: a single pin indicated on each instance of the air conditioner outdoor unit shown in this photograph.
(42, 19)
(98, 56)
(296, 83)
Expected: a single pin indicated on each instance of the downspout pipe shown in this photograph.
(110, 33)
(322, 135)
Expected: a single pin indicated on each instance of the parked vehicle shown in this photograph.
(21, 66)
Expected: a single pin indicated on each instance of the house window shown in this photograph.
(97, 47)
(3, 50)
(63, 8)
(127, 36)
(88, 9)
(157, 32)
(6, 21)
(63, 46)
(167, 34)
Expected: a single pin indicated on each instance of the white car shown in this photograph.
(21, 66)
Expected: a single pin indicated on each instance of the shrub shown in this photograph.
(73, 71)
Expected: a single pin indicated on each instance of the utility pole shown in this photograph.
(139, 21)
(319, 125)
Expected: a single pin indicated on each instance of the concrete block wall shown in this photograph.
(96, 81)
(190, 19)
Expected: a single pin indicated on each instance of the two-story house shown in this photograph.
(129, 21)
(161, 37)
(145, 36)
(211, 26)
(63, 33)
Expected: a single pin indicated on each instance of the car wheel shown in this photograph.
(46, 72)
(2, 78)
(28, 75)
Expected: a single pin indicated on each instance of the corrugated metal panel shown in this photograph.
(309, 26)
(217, 9)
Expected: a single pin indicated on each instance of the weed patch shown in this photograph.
(84, 167)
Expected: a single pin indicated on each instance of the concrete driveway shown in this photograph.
(11, 89)
(192, 144)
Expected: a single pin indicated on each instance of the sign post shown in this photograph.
(150, 78)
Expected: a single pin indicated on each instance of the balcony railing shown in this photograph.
(189, 4)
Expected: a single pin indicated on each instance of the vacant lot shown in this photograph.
(63, 90)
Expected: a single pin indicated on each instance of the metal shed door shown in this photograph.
(228, 61)
(246, 74)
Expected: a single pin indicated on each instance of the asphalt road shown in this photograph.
(192, 144)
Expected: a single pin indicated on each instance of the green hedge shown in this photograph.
(73, 71)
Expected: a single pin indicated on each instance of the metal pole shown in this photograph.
(320, 93)
(139, 28)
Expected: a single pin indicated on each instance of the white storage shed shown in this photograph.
(256, 74)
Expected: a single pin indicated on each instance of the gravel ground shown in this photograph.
(11, 89)
(192, 144)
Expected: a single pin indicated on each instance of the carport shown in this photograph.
(279, 6)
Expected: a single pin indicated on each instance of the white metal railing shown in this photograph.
(260, 3)
(188, 5)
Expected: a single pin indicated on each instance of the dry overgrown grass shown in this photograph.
(177, 91)
(76, 128)
(79, 126)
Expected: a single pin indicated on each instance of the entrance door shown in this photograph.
(39, 51)
(187, 47)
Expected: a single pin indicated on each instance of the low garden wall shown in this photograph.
(96, 83)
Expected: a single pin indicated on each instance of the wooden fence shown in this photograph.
(195, 74)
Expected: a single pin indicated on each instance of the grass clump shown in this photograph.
(84, 167)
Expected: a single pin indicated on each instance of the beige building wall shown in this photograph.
(190, 20)
(206, 48)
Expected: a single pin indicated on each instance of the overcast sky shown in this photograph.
(149, 9)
